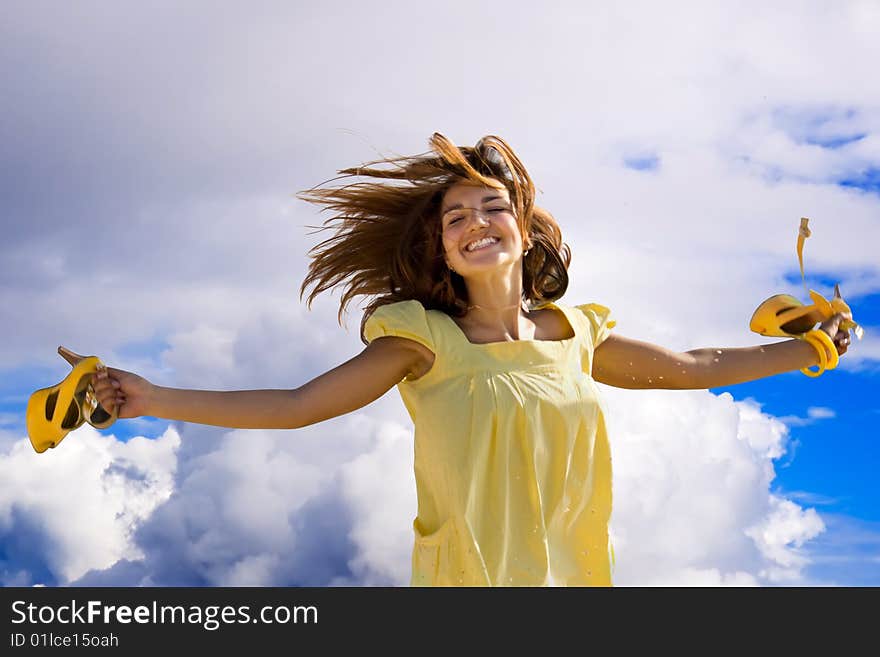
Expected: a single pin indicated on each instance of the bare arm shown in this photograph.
(346, 388)
(626, 363)
(725, 367)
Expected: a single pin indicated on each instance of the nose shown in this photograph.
(480, 217)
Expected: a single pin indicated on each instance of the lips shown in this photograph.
(482, 243)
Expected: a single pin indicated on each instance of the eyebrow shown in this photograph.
(486, 199)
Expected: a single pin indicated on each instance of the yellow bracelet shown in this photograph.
(825, 349)
(833, 356)
(820, 351)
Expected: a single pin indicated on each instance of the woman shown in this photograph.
(512, 460)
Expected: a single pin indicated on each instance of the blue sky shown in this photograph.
(151, 154)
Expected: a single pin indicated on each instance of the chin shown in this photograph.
(477, 268)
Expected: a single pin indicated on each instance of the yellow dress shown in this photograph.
(512, 460)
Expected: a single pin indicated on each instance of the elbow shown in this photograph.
(691, 373)
(294, 417)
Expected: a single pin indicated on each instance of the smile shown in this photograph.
(482, 243)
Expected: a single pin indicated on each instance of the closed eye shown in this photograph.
(493, 210)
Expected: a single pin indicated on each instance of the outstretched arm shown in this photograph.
(346, 388)
(626, 363)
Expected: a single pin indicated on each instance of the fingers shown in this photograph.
(830, 325)
(841, 341)
(840, 337)
(108, 390)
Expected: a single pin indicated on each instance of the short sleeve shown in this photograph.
(600, 321)
(404, 319)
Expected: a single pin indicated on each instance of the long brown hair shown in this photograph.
(388, 242)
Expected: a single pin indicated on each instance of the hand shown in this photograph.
(840, 338)
(132, 393)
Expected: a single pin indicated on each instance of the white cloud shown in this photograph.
(692, 482)
(76, 507)
(814, 414)
(322, 506)
(382, 507)
(693, 504)
(132, 221)
(780, 536)
(814, 499)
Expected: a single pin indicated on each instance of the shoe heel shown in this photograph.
(71, 357)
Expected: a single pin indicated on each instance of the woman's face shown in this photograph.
(470, 213)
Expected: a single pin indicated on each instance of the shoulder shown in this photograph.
(595, 312)
(555, 320)
(406, 325)
(410, 311)
(598, 314)
(593, 309)
(397, 314)
(405, 306)
(598, 319)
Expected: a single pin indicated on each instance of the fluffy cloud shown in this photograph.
(693, 501)
(75, 508)
(148, 218)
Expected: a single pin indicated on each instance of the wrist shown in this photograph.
(825, 354)
(811, 355)
(153, 397)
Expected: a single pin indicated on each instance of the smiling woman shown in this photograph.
(392, 238)
(512, 456)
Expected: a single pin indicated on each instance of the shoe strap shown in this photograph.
(803, 233)
(66, 393)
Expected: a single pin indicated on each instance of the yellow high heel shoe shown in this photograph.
(783, 315)
(55, 411)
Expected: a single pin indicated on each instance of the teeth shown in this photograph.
(473, 246)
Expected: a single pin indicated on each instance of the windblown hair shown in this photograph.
(388, 242)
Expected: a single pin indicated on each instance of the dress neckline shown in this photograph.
(563, 341)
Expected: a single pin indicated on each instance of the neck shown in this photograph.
(496, 306)
(499, 322)
(521, 304)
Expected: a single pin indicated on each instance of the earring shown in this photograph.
(526, 252)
